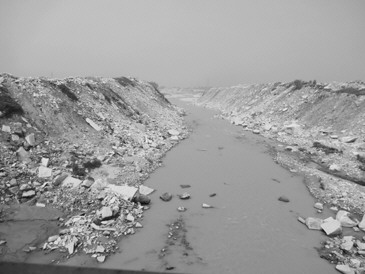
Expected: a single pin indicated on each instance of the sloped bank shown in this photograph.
(82, 146)
(318, 131)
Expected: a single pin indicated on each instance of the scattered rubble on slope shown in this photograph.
(316, 130)
(84, 146)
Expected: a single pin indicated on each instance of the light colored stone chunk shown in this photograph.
(343, 217)
(93, 124)
(71, 182)
(105, 212)
(331, 227)
(362, 223)
(44, 172)
(127, 192)
(30, 139)
(6, 129)
(313, 223)
(345, 269)
(145, 190)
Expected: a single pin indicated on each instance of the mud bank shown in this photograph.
(318, 129)
(82, 147)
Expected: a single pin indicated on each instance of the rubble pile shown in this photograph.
(322, 123)
(315, 130)
(98, 228)
(85, 146)
(345, 246)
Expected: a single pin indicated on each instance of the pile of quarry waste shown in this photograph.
(83, 146)
(318, 132)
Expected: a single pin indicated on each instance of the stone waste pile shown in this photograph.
(315, 130)
(84, 146)
(345, 246)
(323, 123)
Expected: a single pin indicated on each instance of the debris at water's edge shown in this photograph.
(73, 138)
(319, 140)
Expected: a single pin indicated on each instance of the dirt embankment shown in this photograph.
(320, 134)
(82, 146)
(325, 123)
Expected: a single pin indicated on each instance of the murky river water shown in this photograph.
(248, 230)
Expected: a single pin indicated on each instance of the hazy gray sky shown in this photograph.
(185, 42)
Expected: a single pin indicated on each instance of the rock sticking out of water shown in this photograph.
(100, 259)
(345, 269)
(142, 199)
(184, 196)
(345, 219)
(166, 197)
(181, 209)
(314, 223)
(284, 199)
(331, 226)
(206, 206)
(318, 206)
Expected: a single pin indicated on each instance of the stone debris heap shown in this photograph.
(84, 146)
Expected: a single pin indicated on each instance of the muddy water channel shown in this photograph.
(247, 231)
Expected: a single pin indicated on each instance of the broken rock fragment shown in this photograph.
(145, 190)
(331, 226)
(99, 249)
(313, 223)
(347, 243)
(184, 196)
(318, 206)
(130, 217)
(142, 199)
(23, 155)
(127, 192)
(100, 259)
(105, 213)
(88, 182)
(44, 162)
(173, 132)
(362, 223)
(284, 199)
(93, 124)
(206, 206)
(348, 139)
(28, 194)
(344, 218)
(345, 269)
(59, 179)
(71, 182)
(44, 172)
(30, 139)
(181, 209)
(6, 129)
(166, 197)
